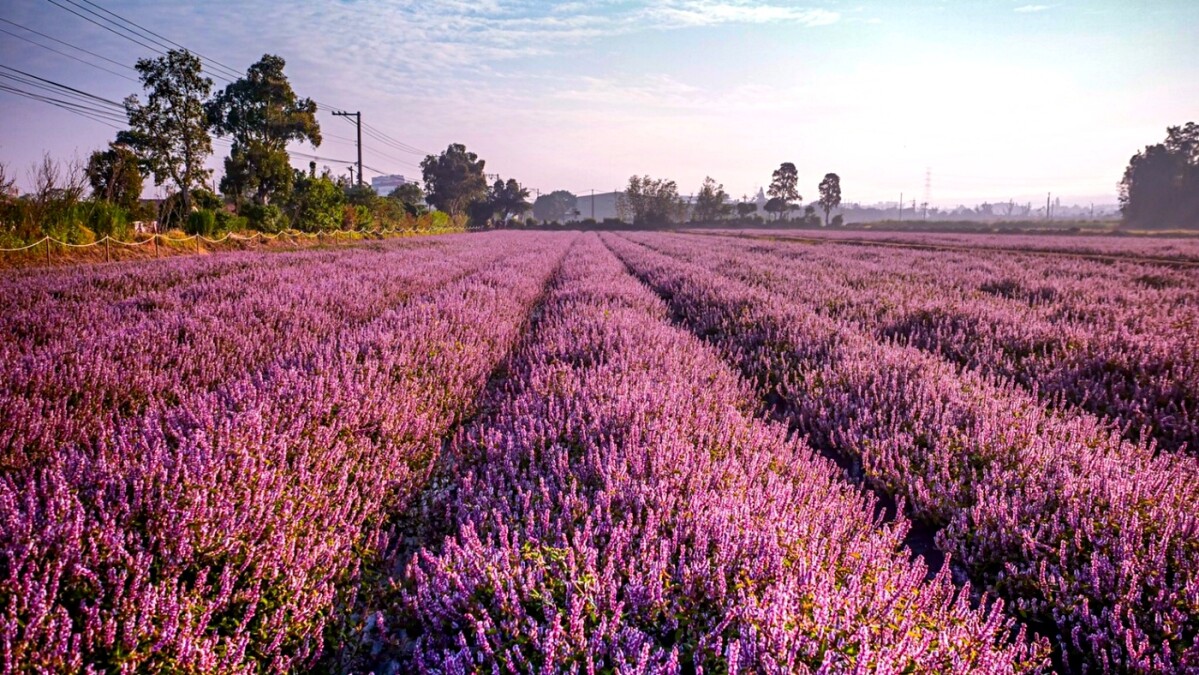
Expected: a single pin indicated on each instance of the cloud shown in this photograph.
(1028, 9)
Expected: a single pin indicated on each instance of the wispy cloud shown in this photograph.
(1028, 9)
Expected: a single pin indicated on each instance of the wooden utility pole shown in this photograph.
(358, 122)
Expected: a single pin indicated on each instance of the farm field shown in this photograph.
(634, 452)
(1183, 249)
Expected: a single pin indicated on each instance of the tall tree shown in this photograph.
(784, 186)
(830, 194)
(508, 199)
(1160, 188)
(710, 203)
(454, 179)
(555, 206)
(169, 132)
(114, 176)
(649, 201)
(262, 114)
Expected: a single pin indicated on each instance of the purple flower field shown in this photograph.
(541, 452)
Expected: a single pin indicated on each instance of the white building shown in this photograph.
(384, 185)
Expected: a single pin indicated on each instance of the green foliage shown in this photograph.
(362, 195)
(106, 219)
(648, 201)
(356, 217)
(169, 133)
(838, 220)
(555, 206)
(114, 176)
(261, 113)
(264, 217)
(410, 197)
(454, 179)
(230, 222)
(316, 204)
(508, 199)
(202, 222)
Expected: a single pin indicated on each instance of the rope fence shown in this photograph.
(155, 238)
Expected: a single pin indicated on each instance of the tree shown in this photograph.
(115, 177)
(454, 179)
(508, 199)
(784, 186)
(169, 132)
(830, 194)
(411, 197)
(1160, 187)
(746, 208)
(710, 202)
(262, 114)
(555, 206)
(317, 202)
(777, 206)
(647, 201)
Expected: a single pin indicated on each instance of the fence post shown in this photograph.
(47, 251)
(107, 253)
(155, 238)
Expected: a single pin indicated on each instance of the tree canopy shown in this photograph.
(555, 206)
(411, 197)
(830, 194)
(1160, 188)
(649, 201)
(169, 132)
(261, 113)
(710, 202)
(784, 184)
(454, 179)
(508, 199)
(115, 177)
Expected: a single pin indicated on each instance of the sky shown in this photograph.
(987, 100)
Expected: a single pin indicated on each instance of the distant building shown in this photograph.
(384, 185)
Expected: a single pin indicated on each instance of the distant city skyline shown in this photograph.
(993, 99)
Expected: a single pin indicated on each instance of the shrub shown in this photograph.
(230, 222)
(202, 222)
(108, 220)
(263, 217)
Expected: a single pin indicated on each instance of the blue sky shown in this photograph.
(999, 99)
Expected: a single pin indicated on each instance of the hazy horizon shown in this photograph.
(997, 100)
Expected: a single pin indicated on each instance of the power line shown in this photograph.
(74, 108)
(68, 44)
(156, 50)
(69, 56)
(161, 39)
(61, 87)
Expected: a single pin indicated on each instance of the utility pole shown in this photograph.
(357, 122)
(901, 207)
(592, 203)
(1047, 196)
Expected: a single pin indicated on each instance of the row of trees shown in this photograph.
(649, 201)
(170, 138)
